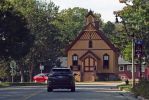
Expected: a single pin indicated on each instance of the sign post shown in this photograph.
(138, 53)
(41, 68)
(12, 66)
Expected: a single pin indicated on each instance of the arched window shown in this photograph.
(75, 59)
(90, 44)
(105, 61)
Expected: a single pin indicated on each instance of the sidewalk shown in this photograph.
(100, 83)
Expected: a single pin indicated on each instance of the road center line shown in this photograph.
(31, 95)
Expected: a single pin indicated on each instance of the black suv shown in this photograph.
(61, 78)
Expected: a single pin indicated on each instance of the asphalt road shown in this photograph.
(83, 92)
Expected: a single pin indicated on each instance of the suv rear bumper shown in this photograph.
(61, 86)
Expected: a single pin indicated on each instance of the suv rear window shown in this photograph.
(61, 70)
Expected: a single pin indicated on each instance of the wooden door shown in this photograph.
(89, 69)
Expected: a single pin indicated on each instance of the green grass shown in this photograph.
(4, 84)
(26, 84)
(7, 84)
(140, 89)
(125, 87)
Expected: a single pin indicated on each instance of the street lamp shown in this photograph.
(132, 40)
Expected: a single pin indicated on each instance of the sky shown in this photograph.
(104, 7)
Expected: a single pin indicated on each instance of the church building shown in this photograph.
(91, 56)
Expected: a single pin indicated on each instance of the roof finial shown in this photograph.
(90, 13)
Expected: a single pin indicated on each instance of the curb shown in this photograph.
(141, 98)
(138, 97)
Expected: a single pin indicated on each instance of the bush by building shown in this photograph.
(142, 89)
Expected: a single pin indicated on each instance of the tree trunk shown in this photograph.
(31, 72)
(22, 73)
(22, 77)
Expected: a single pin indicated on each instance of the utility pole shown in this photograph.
(138, 53)
(133, 76)
(133, 42)
(13, 72)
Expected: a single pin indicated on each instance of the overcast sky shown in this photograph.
(104, 7)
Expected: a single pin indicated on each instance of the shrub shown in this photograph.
(142, 89)
(6, 84)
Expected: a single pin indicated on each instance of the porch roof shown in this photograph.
(121, 61)
(89, 51)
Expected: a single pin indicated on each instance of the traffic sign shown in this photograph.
(13, 64)
(138, 48)
(41, 67)
(139, 42)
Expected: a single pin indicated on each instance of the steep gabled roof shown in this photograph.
(100, 33)
(77, 38)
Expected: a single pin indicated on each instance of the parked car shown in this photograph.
(61, 78)
(42, 77)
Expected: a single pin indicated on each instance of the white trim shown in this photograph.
(121, 66)
(131, 68)
(105, 57)
(143, 68)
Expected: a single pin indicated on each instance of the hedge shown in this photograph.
(6, 84)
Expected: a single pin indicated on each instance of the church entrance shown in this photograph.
(89, 69)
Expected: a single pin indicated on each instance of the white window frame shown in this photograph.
(143, 68)
(131, 68)
(106, 57)
(120, 68)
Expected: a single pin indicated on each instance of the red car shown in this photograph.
(42, 77)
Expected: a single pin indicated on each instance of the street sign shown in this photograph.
(139, 42)
(13, 72)
(13, 64)
(41, 67)
(138, 48)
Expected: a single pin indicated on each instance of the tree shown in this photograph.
(15, 38)
(46, 47)
(109, 30)
(136, 18)
(3, 70)
(70, 22)
(117, 35)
